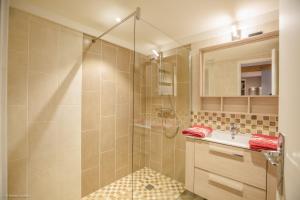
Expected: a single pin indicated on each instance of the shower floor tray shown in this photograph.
(143, 184)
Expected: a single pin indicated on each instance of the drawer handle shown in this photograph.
(226, 151)
(226, 182)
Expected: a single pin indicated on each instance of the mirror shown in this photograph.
(241, 68)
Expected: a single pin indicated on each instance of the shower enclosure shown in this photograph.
(136, 100)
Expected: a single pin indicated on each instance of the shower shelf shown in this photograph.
(255, 105)
(164, 71)
(146, 126)
(165, 83)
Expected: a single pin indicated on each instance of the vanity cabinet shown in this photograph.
(216, 171)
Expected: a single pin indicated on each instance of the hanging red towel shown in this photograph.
(263, 142)
(197, 131)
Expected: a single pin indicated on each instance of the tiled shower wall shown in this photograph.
(164, 154)
(44, 109)
(107, 114)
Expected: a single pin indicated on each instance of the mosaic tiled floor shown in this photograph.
(147, 185)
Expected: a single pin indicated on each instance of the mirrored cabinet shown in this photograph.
(241, 76)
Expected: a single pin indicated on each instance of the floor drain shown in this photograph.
(149, 187)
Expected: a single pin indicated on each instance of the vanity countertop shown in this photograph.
(224, 137)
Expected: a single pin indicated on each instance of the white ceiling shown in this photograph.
(179, 19)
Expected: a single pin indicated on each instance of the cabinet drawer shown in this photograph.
(215, 187)
(239, 164)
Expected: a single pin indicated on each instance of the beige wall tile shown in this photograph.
(90, 181)
(156, 147)
(43, 35)
(18, 30)
(17, 87)
(109, 61)
(70, 44)
(18, 177)
(43, 139)
(182, 99)
(42, 96)
(107, 133)
(168, 156)
(180, 140)
(142, 160)
(69, 82)
(135, 161)
(90, 150)
(156, 166)
(147, 160)
(90, 110)
(121, 160)
(69, 128)
(18, 23)
(17, 132)
(43, 177)
(17, 43)
(107, 165)
(122, 111)
(123, 59)
(108, 103)
(183, 65)
(147, 142)
(91, 72)
(122, 172)
(121, 152)
(122, 126)
(122, 144)
(40, 61)
(69, 174)
(136, 140)
(179, 165)
(123, 85)
(17, 60)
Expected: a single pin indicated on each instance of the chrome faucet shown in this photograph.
(233, 130)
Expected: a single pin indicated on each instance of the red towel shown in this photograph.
(197, 131)
(263, 142)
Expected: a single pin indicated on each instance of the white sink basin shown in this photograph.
(224, 137)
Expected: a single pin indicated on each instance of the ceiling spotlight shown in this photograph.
(155, 52)
(235, 33)
(118, 19)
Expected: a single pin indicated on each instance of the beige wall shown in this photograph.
(44, 105)
(107, 114)
(163, 154)
(4, 18)
(289, 107)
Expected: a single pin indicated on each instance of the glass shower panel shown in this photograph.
(136, 101)
(161, 110)
(108, 114)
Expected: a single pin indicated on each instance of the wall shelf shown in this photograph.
(258, 105)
